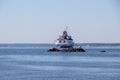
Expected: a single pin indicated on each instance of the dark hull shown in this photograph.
(72, 50)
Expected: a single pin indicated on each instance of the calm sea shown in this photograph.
(33, 62)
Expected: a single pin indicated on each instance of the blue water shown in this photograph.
(33, 62)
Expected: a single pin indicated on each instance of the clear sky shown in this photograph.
(42, 21)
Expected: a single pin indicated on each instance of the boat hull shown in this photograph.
(71, 50)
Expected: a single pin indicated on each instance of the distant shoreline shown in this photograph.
(83, 44)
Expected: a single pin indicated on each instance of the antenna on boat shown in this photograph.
(66, 28)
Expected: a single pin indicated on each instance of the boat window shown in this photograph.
(59, 41)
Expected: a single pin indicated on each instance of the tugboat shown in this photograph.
(65, 43)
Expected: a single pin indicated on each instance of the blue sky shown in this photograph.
(42, 21)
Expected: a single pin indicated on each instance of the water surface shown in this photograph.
(33, 62)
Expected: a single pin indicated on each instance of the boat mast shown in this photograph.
(66, 28)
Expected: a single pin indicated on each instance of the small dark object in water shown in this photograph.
(102, 51)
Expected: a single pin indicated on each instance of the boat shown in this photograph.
(103, 51)
(65, 43)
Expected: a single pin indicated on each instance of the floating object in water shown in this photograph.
(103, 51)
(65, 43)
